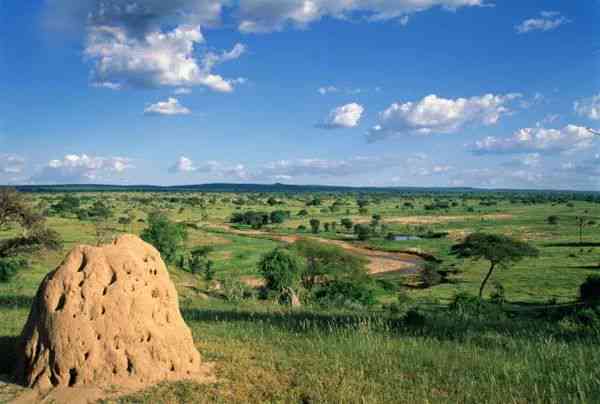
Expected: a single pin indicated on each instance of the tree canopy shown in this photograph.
(328, 262)
(281, 269)
(16, 213)
(499, 250)
(168, 237)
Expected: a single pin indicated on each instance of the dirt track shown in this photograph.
(379, 261)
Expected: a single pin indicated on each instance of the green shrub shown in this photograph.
(9, 268)
(347, 223)
(433, 235)
(498, 294)
(314, 225)
(387, 285)
(588, 316)
(166, 236)
(589, 291)
(414, 318)
(254, 219)
(403, 304)
(362, 231)
(235, 291)
(468, 306)
(209, 270)
(281, 269)
(430, 274)
(465, 303)
(344, 293)
(278, 216)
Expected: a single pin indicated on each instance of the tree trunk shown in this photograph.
(486, 279)
(294, 301)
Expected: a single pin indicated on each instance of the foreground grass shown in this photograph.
(263, 354)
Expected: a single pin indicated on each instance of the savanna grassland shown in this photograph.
(424, 337)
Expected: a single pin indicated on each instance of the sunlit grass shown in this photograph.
(266, 353)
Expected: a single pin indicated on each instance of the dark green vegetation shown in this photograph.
(281, 269)
(589, 291)
(401, 335)
(166, 236)
(29, 233)
(500, 251)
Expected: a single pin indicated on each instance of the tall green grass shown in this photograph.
(265, 354)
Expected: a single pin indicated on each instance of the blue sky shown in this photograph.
(343, 92)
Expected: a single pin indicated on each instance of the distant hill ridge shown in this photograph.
(268, 188)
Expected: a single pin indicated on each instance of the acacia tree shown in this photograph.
(499, 250)
(168, 237)
(281, 269)
(326, 262)
(16, 214)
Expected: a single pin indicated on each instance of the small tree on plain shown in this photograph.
(501, 251)
(347, 223)
(376, 219)
(362, 231)
(281, 269)
(326, 262)
(166, 236)
(315, 224)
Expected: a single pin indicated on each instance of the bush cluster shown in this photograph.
(256, 220)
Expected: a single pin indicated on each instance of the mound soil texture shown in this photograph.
(108, 316)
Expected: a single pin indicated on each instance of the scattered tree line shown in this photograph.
(257, 220)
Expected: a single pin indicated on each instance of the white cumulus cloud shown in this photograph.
(249, 15)
(259, 16)
(169, 107)
(547, 21)
(345, 116)
(308, 169)
(154, 59)
(78, 168)
(537, 140)
(434, 114)
(211, 168)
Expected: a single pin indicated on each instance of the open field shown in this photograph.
(529, 349)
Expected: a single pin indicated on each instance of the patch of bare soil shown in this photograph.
(224, 255)
(253, 281)
(457, 235)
